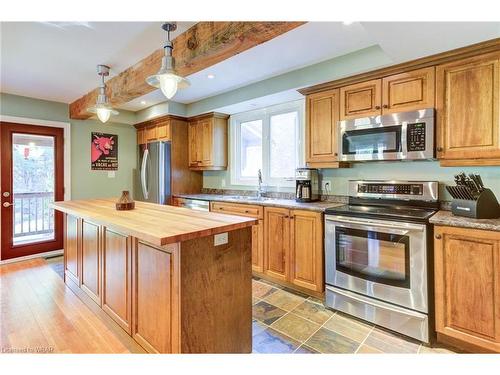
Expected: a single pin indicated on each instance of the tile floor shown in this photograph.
(285, 321)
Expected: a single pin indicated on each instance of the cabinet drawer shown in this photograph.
(237, 209)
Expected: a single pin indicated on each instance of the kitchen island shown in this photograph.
(176, 280)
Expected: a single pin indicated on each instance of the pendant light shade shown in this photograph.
(102, 107)
(167, 79)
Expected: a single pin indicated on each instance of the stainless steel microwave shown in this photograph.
(398, 136)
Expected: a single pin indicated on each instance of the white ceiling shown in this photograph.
(57, 61)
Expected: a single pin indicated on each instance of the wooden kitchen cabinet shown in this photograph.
(91, 261)
(207, 136)
(408, 91)
(361, 99)
(247, 210)
(306, 249)
(467, 103)
(293, 247)
(277, 242)
(322, 129)
(156, 298)
(117, 278)
(72, 259)
(159, 129)
(467, 287)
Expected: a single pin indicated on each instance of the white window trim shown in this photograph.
(264, 115)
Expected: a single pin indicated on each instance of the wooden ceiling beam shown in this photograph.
(203, 45)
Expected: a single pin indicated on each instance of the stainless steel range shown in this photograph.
(378, 252)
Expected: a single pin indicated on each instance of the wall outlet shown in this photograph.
(220, 239)
(111, 174)
(223, 182)
(326, 186)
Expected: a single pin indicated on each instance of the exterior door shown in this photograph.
(32, 170)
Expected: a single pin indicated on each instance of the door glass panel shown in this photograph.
(33, 180)
(251, 148)
(374, 256)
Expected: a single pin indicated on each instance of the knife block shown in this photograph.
(484, 207)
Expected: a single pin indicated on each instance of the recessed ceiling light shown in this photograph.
(143, 102)
(347, 23)
(211, 76)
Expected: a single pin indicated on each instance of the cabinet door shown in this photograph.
(72, 249)
(361, 99)
(192, 150)
(467, 283)
(205, 139)
(467, 102)
(306, 250)
(156, 298)
(91, 261)
(163, 131)
(276, 242)
(117, 278)
(258, 247)
(151, 133)
(141, 136)
(408, 91)
(321, 127)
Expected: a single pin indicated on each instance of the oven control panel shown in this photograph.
(400, 189)
(415, 137)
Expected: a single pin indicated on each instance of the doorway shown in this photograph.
(32, 177)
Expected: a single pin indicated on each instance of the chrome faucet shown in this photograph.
(259, 190)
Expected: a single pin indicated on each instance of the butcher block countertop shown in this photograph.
(157, 224)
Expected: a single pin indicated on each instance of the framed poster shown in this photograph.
(103, 152)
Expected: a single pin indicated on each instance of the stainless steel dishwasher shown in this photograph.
(194, 204)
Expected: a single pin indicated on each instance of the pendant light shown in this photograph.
(167, 79)
(102, 107)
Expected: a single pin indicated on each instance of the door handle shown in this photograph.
(7, 204)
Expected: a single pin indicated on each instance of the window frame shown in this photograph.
(265, 115)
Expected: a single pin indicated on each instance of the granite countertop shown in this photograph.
(269, 202)
(447, 218)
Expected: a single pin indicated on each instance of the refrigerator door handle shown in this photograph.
(143, 174)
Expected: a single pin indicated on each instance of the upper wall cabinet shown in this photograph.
(402, 92)
(154, 130)
(207, 136)
(408, 91)
(361, 99)
(467, 103)
(321, 129)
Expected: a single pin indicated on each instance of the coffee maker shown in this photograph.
(306, 185)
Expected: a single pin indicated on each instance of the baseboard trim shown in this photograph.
(34, 256)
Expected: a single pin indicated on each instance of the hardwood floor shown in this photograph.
(40, 314)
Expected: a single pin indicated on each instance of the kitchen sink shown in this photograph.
(248, 198)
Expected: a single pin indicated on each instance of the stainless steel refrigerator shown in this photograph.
(153, 177)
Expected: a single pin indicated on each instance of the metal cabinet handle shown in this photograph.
(438, 236)
(439, 149)
(377, 107)
(385, 106)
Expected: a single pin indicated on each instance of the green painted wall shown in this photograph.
(84, 182)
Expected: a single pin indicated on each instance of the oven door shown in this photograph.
(382, 259)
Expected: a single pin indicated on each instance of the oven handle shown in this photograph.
(393, 226)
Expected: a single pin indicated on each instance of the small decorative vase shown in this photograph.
(125, 202)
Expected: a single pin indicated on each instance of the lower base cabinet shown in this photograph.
(293, 247)
(91, 261)
(467, 287)
(117, 278)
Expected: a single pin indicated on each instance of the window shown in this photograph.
(269, 139)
